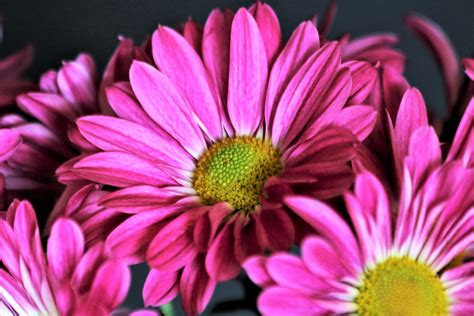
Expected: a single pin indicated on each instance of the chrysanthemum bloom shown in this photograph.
(67, 280)
(380, 267)
(12, 68)
(204, 148)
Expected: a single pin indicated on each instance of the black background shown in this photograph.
(60, 29)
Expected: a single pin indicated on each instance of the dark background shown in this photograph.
(60, 29)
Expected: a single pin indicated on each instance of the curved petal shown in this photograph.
(247, 74)
(160, 287)
(280, 301)
(181, 64)
(162, 101)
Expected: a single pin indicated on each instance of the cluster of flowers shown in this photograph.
(213, 148)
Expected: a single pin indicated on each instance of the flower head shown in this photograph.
(204, 148)
(399, 267)
(67, 280)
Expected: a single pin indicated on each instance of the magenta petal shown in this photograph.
(246, 237)
(207, 225)
(363, 80)
(280, 301)
(182, 65)
(215, 48)
(130, 239)
(196, 287)
(121, 170)
(359, 119)
(160, 287)
(173, 247)
(247, 74)
(110, 285)
(278, 227)
(440, 45)
(321, 259)
(411, 115)
(256, 269)
(269, 26)
(162, 101)
(192, 32)
(221, 263)
(297, 103)
(303, 42)
(285, 269)
(12, 66)
(76, 81)
(330, 225)
(114, 134)
(10, 140)
(65, 248)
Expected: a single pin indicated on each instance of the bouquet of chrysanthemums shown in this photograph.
(309, 169)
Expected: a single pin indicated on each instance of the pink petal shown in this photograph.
(321, 259)
(110, 285)
(256, 269)
(328, 17)
(173, 247)
(411, 115)
(123, 102)
(77, 83)
(280, 301)
(207, 225)
(424, 153)
(114, 134)
(166, 106)
(129, 241)
(121, 169)
(297, 103)
(290, 272)
(279, 229)
(363, 80)
(359, 119)
(247, 74)
(65, 248)
(367, 43)
(182, 65)
(394, 86)
(160, 287)
(442, 48)
(269, 26)
(303, 42)
(221, 263)
(330, 225)
(215, 48)
(192, 32)
(48, 82)
(247, 232)
(10, 140)
(196, 287)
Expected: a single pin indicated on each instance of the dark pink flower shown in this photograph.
(378, 265)
(66, 280)
(208, 142)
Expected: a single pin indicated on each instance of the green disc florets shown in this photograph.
(234, 170)
(402, 286)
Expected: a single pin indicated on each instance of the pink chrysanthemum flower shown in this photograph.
(205, 147)
(380, 266)
(67, 280)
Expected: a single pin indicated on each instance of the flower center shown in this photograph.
(401, 286)
(234, 170)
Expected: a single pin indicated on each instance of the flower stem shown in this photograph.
(168, 309)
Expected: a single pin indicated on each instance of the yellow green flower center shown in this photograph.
(234, 170)
(401, 287)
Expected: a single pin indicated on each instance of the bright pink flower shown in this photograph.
(11, 69)
(66, 280)
(381, 266)
(204, 148)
